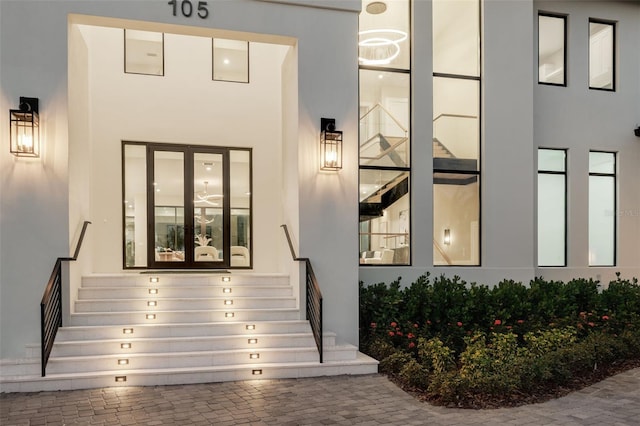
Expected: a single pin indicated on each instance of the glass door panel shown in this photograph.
(168, 206)
(240, 194)
(208, 207)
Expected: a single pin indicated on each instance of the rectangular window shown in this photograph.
(456, 132)
(552, 49)
(230, 60)
(384, 57)
(456, 219)
(135, 205)
(143, 52)
(601, 55)
(456, 36)
(602, 205)
(552, 207)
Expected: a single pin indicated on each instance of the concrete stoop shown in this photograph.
(147, 330)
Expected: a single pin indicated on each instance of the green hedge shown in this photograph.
(458, 342)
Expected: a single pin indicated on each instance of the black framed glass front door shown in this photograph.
(198, 206)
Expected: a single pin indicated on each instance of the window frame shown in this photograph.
(565, 19)
(479, 171)
(564, 173)
(124, 32)
(613, 175)
(213, 63)
(407, 169)
(613, 54)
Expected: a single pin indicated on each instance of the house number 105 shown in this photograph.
(186, 7)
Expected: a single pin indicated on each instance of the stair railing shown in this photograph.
(444, 255)
(314, 295)
(51, 304)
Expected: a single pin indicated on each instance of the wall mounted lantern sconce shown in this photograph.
(447, 236)
(637, 131)
(24, 129)
(330, 145)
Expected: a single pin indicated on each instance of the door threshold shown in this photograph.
(186, 271)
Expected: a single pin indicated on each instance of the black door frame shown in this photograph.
(189, 232)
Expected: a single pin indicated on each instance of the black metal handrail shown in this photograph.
(314, 296)
(51, 304)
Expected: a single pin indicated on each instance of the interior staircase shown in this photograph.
(143, 330)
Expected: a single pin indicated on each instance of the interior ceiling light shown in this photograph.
(205, 197)
(381, 46)
(376, 7)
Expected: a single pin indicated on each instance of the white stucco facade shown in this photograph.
(305, 67)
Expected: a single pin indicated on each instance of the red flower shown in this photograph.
(520, 321)
(605, 317)
(428, 322)
(509, 327)
(399, 333)
(591, 324)
(497, 322)
(459, 324)
(391, 333)
(410, 336)
(394, 324)
(412, 345)
(415, 326)
(374, 325)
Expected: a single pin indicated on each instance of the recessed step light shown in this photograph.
(250, 327)
(228, 302)
(127, 331)
(256, 372)
(154, 279)
(125, 345)
(153, 291)
(252, 341)
(152, 303)
(254, 356)
(150, 316)
(226, 290)
(121, 379)
(229, 314)
(226, 279)
(123, 361)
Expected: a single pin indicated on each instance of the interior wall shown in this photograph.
(186, 107)
(79, 169)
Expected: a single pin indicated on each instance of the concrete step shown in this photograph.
(136, 361)
(182, 330)
(171, 376)
(161, 280)
(203, 291)
(151, 304)
(129, 344)
(231, 314)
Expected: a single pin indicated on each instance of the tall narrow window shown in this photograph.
(601, 55)
(385, 141)
(456, 132)
(552, 207)
(552, 49)
(602, 205)
(143, 52)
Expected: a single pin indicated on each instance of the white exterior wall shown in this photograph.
(579, 119)
(507, 168)
(36, 221)
(518, 116)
